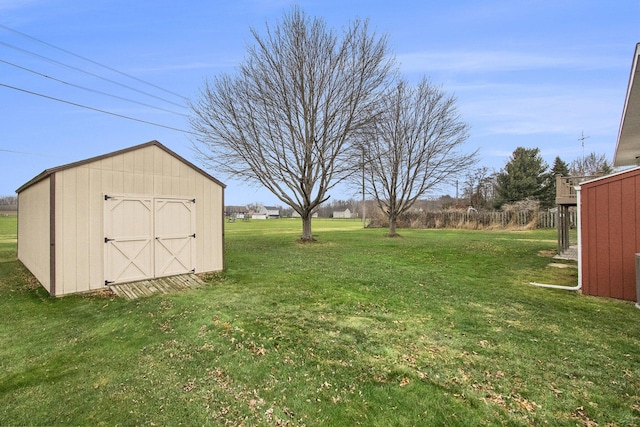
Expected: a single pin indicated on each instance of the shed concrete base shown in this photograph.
(569, 254)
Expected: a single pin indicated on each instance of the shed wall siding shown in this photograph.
(611, 235)
(33, 231)
(149, 171)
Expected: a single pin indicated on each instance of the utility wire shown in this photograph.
(53, 61)
(91, 90)
(95, 109)
(24, 152)
(91, 61)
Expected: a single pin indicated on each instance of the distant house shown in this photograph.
(236, 212)
(266, 212)
(270, 211)
(241, 215)
(297, 215)
(343, 214)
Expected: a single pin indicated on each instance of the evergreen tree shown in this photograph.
(524, 176)
(606, 168)
(559, 167)
(548, 198)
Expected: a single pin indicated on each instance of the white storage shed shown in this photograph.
(135, 214)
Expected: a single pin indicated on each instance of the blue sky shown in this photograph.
(525, 73)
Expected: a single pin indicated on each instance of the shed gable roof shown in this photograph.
(48, 172)
(610, 178)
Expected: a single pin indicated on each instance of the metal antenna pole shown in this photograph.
(581, 139)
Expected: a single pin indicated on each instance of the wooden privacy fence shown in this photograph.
(489, 219)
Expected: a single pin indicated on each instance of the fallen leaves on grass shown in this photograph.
(483, 343)
(239, 338)
(580, 414)
(547, 253)
(513, 401)
(190, 385)
(555, 390)
(102, 293)
(256, 403)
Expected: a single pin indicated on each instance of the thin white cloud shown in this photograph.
(474, 61)
(542, 110)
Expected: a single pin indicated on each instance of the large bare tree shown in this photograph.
(287, 117)
(414, 146)
(590, 165)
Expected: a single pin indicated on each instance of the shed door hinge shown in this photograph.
(107, 240)
(107, 197)
(193, 235)
(107, 282)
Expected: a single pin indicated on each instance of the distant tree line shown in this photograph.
(8, 203)
(525, 183)
(526, 176)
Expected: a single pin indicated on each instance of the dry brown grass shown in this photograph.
(461, 220)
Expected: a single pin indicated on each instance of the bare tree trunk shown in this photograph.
(306, 228)
(392, 226)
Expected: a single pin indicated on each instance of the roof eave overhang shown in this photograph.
(628, 145)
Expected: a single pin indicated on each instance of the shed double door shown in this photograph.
(147, 237)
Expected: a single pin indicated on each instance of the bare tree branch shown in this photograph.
(414, 146)
(287, 118)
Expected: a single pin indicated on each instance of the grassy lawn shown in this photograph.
(437, 327)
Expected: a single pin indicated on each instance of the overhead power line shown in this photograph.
(71, 67)
(92, 61)
(91, 90)
(95, 109)
(4, 150)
